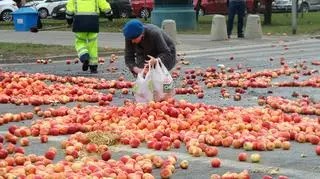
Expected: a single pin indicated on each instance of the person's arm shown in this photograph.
(166, 52)
(129, 56)
(70, 11)
(104, 6)
(163, 48)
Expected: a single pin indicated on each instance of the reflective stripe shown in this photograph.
(86, 13)
(82, 51)
(92, 39)
(80, 38)
(93, 61)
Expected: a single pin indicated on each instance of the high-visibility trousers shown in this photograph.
(87, 42)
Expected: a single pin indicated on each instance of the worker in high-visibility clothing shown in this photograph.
(83, 15)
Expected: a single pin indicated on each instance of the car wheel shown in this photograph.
(6, 16)
(305, 7)
(124, 14)
(144, 13)
(43, 13)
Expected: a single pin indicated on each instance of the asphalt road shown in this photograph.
(290, 163)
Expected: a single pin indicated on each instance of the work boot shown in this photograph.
(93, 68)
(240, 36)
(85, 61)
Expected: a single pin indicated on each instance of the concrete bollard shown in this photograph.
(169, 27)
(253, 27)
(218, 28)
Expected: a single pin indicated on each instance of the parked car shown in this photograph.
(59, 12)
(45, 8)
(6, 8)
(121, 8)
(303, 5)
(221, 6)
(33, 3)
(142, 8)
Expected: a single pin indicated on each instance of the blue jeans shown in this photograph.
(236, 7)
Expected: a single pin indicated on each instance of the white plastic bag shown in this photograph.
(163, 84)
(143, 88)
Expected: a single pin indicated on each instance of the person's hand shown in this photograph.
(152, 60)
(109, 15)
(137, 70)
(69, 22)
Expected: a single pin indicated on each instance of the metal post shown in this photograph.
(294, 16)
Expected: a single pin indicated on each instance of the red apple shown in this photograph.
(200, 95)
(24, 142)
(106, 155)
(134, 142)
(267, 177)
(50, 154)
(3, 153)
(165, 173)
(318, 150)
(19, 150)
(215, 162)
(92, 148)
(211, 151)
(44, 138)
(176, 143)
(242, 156)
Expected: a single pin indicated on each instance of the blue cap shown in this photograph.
(132, 29)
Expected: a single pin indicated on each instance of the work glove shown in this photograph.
(109, 15)
(70, 21)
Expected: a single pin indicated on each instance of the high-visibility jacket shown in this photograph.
(89, 7)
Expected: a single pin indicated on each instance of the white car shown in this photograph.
(303, 5)
(6, 8)
(33, 3)
(45, 8)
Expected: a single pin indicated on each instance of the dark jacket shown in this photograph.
(155, 43)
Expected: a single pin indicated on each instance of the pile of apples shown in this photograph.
(161, 126)
(194, 79)
(167, 124)
(300, 106)
(32, 89)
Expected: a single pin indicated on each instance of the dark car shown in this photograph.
(59, 12)
(120, 9)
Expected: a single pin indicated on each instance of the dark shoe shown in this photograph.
(85, 61)
(229, 37)
(241, 36)
(93, 68)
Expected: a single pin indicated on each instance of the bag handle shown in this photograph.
(141, 73)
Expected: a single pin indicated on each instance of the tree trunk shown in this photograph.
(268, 12)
